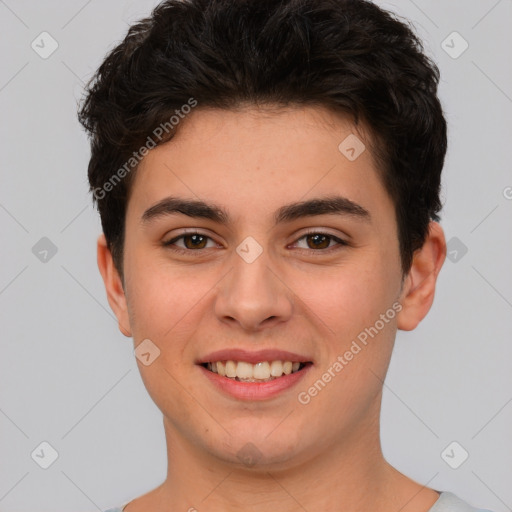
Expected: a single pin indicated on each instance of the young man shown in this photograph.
(267, 174)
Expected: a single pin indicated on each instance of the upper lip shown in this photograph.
(253, 357)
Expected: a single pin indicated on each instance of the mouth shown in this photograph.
(263, 371)
(254, 375)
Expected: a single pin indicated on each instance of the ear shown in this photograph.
(419, 285)
(113, 286)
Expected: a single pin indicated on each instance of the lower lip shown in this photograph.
(255, 390)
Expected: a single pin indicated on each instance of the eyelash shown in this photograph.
(340, 243)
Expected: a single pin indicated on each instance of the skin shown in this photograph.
(323, 455)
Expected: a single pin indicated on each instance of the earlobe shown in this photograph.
(113, 285)
(419, 285)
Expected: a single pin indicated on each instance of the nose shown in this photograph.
(253, 295)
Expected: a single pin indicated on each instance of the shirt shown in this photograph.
(447, 502)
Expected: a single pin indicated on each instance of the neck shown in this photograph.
(349, 475)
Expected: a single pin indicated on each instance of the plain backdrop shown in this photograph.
(69, 378)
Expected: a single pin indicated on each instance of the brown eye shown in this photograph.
(188, 242)
(320, 242)
(194, 241)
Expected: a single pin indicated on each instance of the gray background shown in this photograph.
(68, 377)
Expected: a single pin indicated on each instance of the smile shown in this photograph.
(254, 375)
(263, 371)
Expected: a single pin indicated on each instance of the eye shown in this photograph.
(191, 241)
(320, 242)
(316, 241)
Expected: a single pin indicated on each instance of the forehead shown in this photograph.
(260, 159)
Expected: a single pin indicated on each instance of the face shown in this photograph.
(260, 269)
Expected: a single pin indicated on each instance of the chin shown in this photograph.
(261, 451)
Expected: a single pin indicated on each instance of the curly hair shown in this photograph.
(347, 55)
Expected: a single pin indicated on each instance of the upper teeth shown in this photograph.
(266, 370)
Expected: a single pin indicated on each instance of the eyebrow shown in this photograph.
(332, 205)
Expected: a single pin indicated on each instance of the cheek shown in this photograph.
(153, 297)
(348, 298)
(166, 301)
